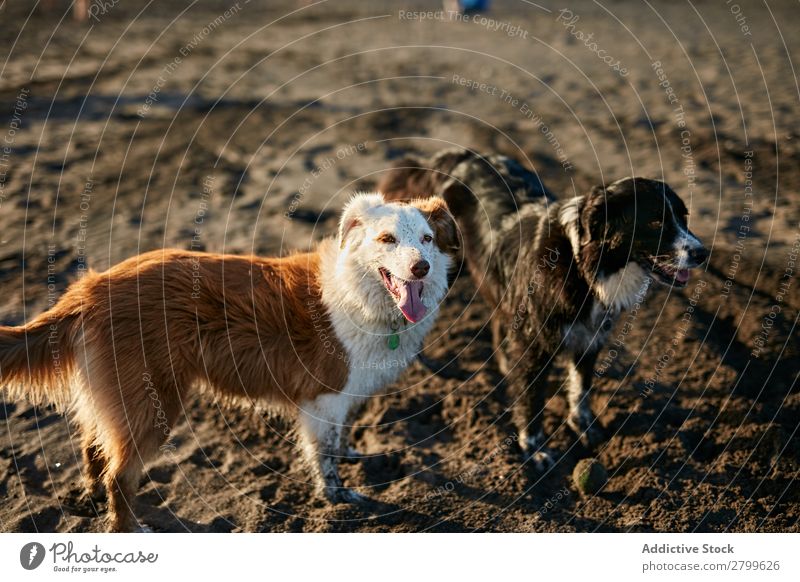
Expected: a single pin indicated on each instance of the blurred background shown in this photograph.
(244, 126)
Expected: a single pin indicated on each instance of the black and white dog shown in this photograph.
(557, 274)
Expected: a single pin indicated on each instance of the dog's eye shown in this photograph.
(427, 238)
(655, 224)
(387, 238)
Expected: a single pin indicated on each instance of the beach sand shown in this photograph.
(244, 131)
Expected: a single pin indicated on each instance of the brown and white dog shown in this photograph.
(309, 335)
(555, 273)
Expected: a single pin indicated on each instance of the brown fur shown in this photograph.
(414, 178)
(435, 211)
(135, 339)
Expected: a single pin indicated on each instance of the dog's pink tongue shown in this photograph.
(410, 300)
(682, 276)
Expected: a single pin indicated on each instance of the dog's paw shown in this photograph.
(543, 460)
(593, 437)
(143, 528)
(338, 495)
(587, 428)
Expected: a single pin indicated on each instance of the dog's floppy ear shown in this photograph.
(354, 212)
(437, 214)
(593, 215)
(597, 215)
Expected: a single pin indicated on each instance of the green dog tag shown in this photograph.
(393, 342)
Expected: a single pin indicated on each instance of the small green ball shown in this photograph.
(589, 476)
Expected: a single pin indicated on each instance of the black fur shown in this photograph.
(547, 267)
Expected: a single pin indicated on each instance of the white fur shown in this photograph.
(568, 216)
(363, 312)
(360, 307)
(619, 290)
(684, 243)
(574, 387)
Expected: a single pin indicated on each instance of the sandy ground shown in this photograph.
(148, 126)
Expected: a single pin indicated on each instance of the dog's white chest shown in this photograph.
(373, 363)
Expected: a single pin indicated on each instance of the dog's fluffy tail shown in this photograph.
(37, 359)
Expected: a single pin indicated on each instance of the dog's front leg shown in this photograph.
(581, 419)
(322, 425)
(348, 452)
(526, 381)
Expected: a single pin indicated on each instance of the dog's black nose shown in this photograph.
(419, 270)
(698, 255)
